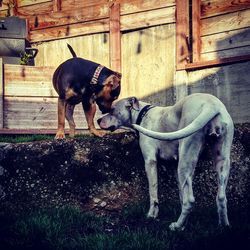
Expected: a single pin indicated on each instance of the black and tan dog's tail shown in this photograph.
(73, 53)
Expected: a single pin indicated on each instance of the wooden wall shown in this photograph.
(216, 59)
(30, 100)
(72, 18)
(94, 47)
(225, 28)
(148, 64)
(229, 83)
(145, 27)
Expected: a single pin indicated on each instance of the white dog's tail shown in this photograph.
(199, 122)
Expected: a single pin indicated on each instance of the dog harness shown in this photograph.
(96, 75)
(142, 113)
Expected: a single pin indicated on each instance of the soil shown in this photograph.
(105, 174)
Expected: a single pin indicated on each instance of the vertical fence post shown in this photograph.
(182, 33)
(1, 93)
(115, 37)
(57, 5)
(196, 30)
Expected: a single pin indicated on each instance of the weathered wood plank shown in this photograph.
(24, 70)
(230, 84)
(84, 46)
(217, 7)
(133, 6)
(3, 13)
(228, 22)
(78, 4)
(30, 88)
(76, 15)
(78, 29)
(217, 62)
(33, 10)
(22, 3)
(180, 84)
(148, 64)
(226, 40)
(41, 113)
(234, 53)
(91, 12)
(28, 81)
(148, 18)
(6, 131)
(4, 5)
(115, 38)
(127, 6)
(182, 33)
(45, 131)
(128, 22)
(1, 94)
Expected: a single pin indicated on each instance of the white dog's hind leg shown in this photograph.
(188, 153)
(222, 163)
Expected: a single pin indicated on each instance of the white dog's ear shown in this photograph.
(133, 103)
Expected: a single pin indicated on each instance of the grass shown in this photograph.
(35, 137)
(69, 228)
(24, 138)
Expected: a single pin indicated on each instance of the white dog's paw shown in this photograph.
(175, 227)
(153, 212)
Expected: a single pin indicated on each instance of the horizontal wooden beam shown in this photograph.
(216, 62)
(135, 6)
(73, 16)
(6, 131)
(22, 3)
(78, 29)
(4, 5)
(228, 22)
(78, 4)
(37, 9)
(148, 18)
(128, 22)
(87, 13)
(217, 7)
(226, 40)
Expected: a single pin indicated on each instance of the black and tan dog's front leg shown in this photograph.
(69, 116)
(61, 119)
(90, 111)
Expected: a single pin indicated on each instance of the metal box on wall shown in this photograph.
(13, 41)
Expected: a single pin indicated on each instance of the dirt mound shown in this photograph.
(105, 174)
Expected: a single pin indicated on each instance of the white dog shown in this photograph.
(179, 131)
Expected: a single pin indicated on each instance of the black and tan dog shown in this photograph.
(78, 80)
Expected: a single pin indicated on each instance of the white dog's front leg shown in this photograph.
(151, 170)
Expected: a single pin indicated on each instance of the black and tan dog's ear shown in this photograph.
(119, 75)
(133, 103)
(115, 82)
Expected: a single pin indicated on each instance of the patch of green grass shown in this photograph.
(30, 138)
(24, 138)
(70, 228)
